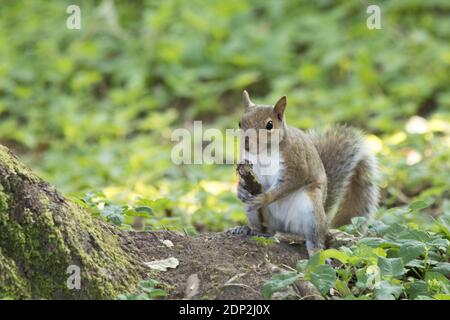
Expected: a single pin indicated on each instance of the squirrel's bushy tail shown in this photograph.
(351, 171)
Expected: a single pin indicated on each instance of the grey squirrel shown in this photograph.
(322, 179)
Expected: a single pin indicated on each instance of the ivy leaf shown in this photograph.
(361, 277)
(149, 292)
(335, 254)
(355, 226)
(443, 224)
(315, 260)
(416, 263)
(148, 287)
(388, 291)
(301, 265)
(416, 288)
(391, 267)
(418, 235)
(113, 213)
(442, 267)
(440, 244)
(432, 276)
(372, 241)
(411, 250)
(278, 282)
(366, 254)
(343, 288)
(323, 277)
(378, 227)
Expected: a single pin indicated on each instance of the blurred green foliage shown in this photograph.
(93, 109)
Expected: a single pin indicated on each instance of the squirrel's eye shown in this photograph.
(269, 125)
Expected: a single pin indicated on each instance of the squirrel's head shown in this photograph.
(262, 125)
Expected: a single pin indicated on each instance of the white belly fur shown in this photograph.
(291, 214)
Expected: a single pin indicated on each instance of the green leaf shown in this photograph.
(395, 230)
(391, 267)
(416, 263)
(387, 291)
(411, 250)
(442, 267)
(345, 274)
(343, 288)
(148, 287)
(372, 242)
(356, 225)
(156, 293)
(442, 296)
(436, 276)
(148, 292)
(366, 254)
(416, 288)
(301, 265)
(315, 260)
(362, 277)
(368, 277)
(323, 277)
(440, 244)
(113, 213)
(378, 227)
(278, 282)
(335, 254)
(444, 226)
(418, 205)
(144, 209)
(418, 235)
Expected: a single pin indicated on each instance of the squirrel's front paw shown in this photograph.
(256, 202)
(243, 193)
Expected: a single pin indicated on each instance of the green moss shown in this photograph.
(41, 235)
(3, 200)
(10, 163)
(13, 284)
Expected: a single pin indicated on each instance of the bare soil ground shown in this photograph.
(228, 267)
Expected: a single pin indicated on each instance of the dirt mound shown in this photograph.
(228, 267)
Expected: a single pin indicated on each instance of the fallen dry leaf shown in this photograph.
(167, 243)
(192, 286)
(163, 265)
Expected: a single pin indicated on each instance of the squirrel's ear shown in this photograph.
(279, 107)
(247, 102)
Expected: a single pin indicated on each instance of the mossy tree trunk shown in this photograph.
(42, 235)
